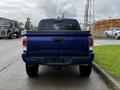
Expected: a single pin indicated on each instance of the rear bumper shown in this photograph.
(69, 60)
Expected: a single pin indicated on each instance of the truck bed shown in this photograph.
(57, 43)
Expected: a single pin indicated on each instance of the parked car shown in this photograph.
(58, 43)
(108, 33)
(113, 33)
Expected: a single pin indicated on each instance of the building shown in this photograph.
(5, 21)
(103, 25)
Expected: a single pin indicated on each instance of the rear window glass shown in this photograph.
(58, 25)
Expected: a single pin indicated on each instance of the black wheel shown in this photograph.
(32, 70)
(108, 36)
(11, 36)
(118, 38)
(85, 70)
(18, 36)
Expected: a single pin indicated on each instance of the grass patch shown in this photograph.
(108, 57)
(101, 38)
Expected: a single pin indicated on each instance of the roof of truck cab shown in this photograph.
(60, 19)
(65, 20)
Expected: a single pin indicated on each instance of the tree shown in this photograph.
(28, 24)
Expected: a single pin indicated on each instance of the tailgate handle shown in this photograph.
(58, 40)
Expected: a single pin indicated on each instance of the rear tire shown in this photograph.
(106, 35)
(118, 38)
(11, 36)
(17, 35)
(85, 70)
(32, 70)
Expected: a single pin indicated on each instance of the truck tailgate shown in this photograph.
(57, 43)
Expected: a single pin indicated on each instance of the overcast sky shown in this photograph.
(38, 9)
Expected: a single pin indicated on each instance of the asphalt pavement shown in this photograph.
(13, 75)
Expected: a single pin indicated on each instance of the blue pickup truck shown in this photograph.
(58, 42)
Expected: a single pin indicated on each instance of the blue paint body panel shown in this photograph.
(71, 46)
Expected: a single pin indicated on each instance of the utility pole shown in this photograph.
(86, 15)
(28, 24)
(89, 16)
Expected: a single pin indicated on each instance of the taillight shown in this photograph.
(24, 42)
(90, 41)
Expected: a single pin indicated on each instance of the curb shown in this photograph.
(114, 85)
